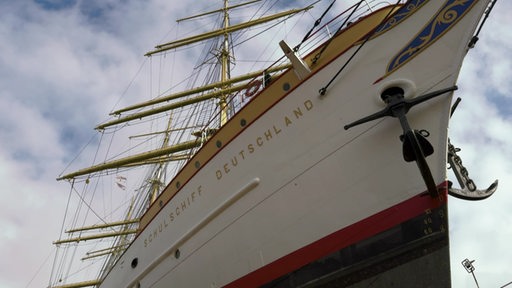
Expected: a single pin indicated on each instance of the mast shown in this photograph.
(220, 90)
(119, 234)
(156, 182)
(225, 67)
(224, 85)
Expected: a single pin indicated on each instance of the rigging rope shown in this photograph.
(487, 12)
(323, 90)
(58, 270)
(317, 22)
(317, 56)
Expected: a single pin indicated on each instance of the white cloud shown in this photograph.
(58, 76)
(481, 127)
(61, 71)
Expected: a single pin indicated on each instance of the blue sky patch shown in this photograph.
(502, 102)
(56, 4)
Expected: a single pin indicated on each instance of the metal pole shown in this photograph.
(474, 277)
(468, 265)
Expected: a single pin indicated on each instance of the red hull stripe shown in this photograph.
(349, 235)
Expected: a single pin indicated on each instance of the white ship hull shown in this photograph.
(294, 186)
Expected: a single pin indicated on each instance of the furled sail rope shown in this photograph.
(53, 270)
(231, 99)
(107, 153)
(69, 251)
(60, 272)
(79, 153)
(323, 90)
(275, 63)
(125, 91)
(139, 70)
(239, 34)
(332, 21)
(83, 201)
(72, 249)
(269, 45)
(191, 79)
(266, 29)
(263, 31)
(143, 121)
(309, 34)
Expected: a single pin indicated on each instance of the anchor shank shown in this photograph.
(399, 112)
(410, 137)
(421, 161)
(415, 146)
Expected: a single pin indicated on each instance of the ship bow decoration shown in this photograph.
(441, 22)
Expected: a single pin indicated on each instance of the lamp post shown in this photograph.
(470, 268)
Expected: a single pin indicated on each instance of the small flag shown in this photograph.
(121, 182)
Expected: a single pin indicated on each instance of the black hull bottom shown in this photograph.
(414, 253)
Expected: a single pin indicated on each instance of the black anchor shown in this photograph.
(415, 146)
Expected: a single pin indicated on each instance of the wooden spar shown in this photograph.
(168, 107)
(106, 249)
(96, 236)
(216, 11)
(224, 82)
(164, 131)
(157, 160)
(220, 32)
(80, 284)
(103, 252)
(201, 89)
(106, 225)
(133, 159)
(98, 255)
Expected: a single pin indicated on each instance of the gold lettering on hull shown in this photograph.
(178, 210)
(265, 137)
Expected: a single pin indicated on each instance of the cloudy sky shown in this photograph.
(65, 63)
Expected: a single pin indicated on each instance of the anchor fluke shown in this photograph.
(477, 194)
(468, 190)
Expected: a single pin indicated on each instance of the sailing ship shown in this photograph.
(325, 167)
